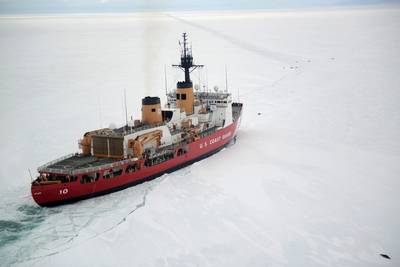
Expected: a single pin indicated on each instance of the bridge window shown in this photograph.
(178, 96)
(183, 96)
(153, 110)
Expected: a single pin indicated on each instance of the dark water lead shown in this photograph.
(29, 217)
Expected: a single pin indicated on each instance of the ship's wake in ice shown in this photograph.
(59, 228)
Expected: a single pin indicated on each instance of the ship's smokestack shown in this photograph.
(151, 110)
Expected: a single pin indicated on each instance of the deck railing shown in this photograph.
(55, 161)
(131, 130)
(82, 170)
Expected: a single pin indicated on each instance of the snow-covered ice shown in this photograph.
(313, 179)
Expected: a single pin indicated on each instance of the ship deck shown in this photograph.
(74, 162)
(80, 161)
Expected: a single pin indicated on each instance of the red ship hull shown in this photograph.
(62, 193)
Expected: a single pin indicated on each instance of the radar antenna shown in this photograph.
(186, 62)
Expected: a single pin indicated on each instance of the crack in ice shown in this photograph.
(124, 219)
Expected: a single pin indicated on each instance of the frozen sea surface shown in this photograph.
(313, 179)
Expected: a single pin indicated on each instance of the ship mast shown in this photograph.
(186, 62)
